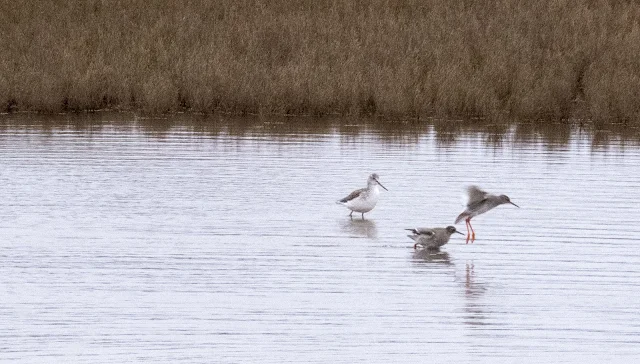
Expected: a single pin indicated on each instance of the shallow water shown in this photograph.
(220, 241)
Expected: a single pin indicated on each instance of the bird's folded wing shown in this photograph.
(352, 195)
(422, 231)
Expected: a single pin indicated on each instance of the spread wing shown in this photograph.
(353, 195)
(475, 195)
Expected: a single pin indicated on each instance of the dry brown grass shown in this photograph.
(550, 59)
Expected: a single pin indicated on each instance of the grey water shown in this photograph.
(219, 241)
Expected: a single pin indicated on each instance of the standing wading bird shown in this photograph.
(432, 239)
(479, 202)
(364, 199)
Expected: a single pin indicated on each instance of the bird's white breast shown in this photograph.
(366, 201)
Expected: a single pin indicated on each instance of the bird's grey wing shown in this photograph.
(353, 195)
(423, 231)
(475, 195)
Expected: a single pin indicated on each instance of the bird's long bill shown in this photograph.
(514, 204)
(459, 232)
(382, 185)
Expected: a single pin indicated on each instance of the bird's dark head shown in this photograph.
(452, 229)
(505, 199)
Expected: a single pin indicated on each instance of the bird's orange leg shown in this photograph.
(473, 233)
(468, 235)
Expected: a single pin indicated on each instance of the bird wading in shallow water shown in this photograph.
(364, 199)
(432, 239)
(480, 202)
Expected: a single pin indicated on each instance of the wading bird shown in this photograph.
(364, 199)
(432, 239)
(479, 202)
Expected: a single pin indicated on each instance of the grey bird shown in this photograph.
(364, 199)
(480, 202)
(432, 238)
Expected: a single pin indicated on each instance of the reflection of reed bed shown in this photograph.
(543, 59)
(300, 129)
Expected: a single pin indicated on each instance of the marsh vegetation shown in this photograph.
(549, 60)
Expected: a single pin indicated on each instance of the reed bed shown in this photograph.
(547, 59)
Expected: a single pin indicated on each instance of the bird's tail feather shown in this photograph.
(461, 217)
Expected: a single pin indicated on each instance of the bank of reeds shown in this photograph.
(547, 59)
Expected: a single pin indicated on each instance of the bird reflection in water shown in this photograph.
(473, 291)
(363, 228)
(432, 256)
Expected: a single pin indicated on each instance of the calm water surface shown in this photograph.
(148, 241)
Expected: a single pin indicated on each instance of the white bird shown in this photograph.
(432, 238)
(364, 199)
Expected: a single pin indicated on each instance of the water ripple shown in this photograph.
(123, 242)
